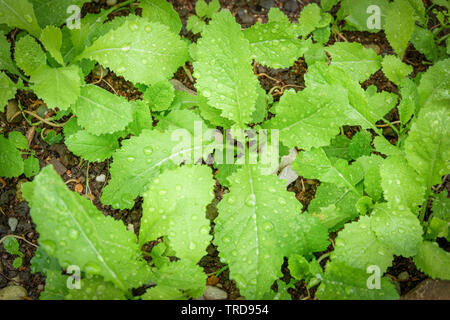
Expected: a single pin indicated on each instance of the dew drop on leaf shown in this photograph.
(148, 150)
(48, 246)
(268, 226)
(73, 234)
(92, 268)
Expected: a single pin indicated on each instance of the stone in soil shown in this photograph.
(13, 293)
(100, 178)
(11, 110)
(214, 293)
(12, 222)
(430, 290)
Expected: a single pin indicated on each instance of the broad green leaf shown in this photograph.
(11, 245)
(225, 79)
(11, 163)
(55, 286)
(327, 5)
(395, 69)
(142, 118)
(399, 25)
(91, 147)
(360, 144)
(338, 148)
(402, 186)
(152, 54)
(300, 268)
(6, 62)
(399, 230)
(28, 54)
(359, 247)
(182, 119)
(363, 15)
(310, 118)
(160, 96)
(178, 280)
(19, 14)
(259, 223)
(433, 260)
(195, 24)
(142, 158)
(102, 112)
(31, 166)
(383, 146)
(51, 38)
(380, 102)
(427, 147)
(161, 11)
(423, 41)
(441, 206)
(410, 99)
(58, 87)
(372, 178)
(315, 53)
(437, 228)
(333, 205)
(309, 19)
(7, 90)
(419, 10)
(434, 84)
(175, 207)
(73, 230)
(51, 12)
(203, 9)
(315, 164)
(342, 282)
(358, 61)
(211, 114)
(95, 288)
(274, 44)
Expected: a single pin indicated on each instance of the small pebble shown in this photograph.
(267, 4)
(111, 2)
(12, 222)
(214, 293)
(403, 276)
(100, 178)
(291, 5)
(245, 17)
(13, 293)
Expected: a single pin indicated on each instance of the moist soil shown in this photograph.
(80, 176)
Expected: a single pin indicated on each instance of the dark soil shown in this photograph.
(79, 174)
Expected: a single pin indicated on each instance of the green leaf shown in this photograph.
(142, 158)
(257, 219)
(274, 44)
(55, 286)
(11, 245)
(342, 282)
(380, 102)
(28, 54)
(383, 146)
(6, 62)
(333, 205)
(201, 8)
(161, 11)
(300, 268)
(195, 24)
(175, 207)
(358, 61)
(225, 79)
(338, 148)
(95, 288)
(359, 247)
(11, 163)
(315, 164)
(91, 147)
(17, 263)
(400, 230)
(410, 100)
(427, 147)
(176, 281)
(142, 118)
(419, 10)
(51, 38)
(327, 5)
(395, 69)
(19, 14)
(160, 95)
(102, 112)
(434, 84)
(423, 41)
(360, 144)
(50, 12)
(309, 19)
(50, 83)
(433, 260)
(153, 54)
(18, 140)
(441, 206)
(31, 166)
(357, 15)
(311, 117)
(69, 224)
(399, 25)
(372, 178)
(402, 186)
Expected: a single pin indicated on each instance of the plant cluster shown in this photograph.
(377, 196)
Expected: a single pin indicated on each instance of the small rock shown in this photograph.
(100, 71)
(11, 110)
(245, 17)
(291, 5)
(429, 290)
(111, 2)
(403, 276)
(40, 287)
(214, 293)
(59, 167)
(288, 174)
(373, 46)
(13, 293)
(267, 4)
(12, 222)
(100, 178)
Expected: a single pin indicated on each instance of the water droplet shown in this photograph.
(48, 246)
(250, 201)
(226, 239)
(133, 27)
(230, 200)
(28, 18)
(92, 268)
(204, 230)
(268, 226)
(148, 150)
(192, 246)
(148, 29)
(73, 234)
(131, 159)
(162, 192)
